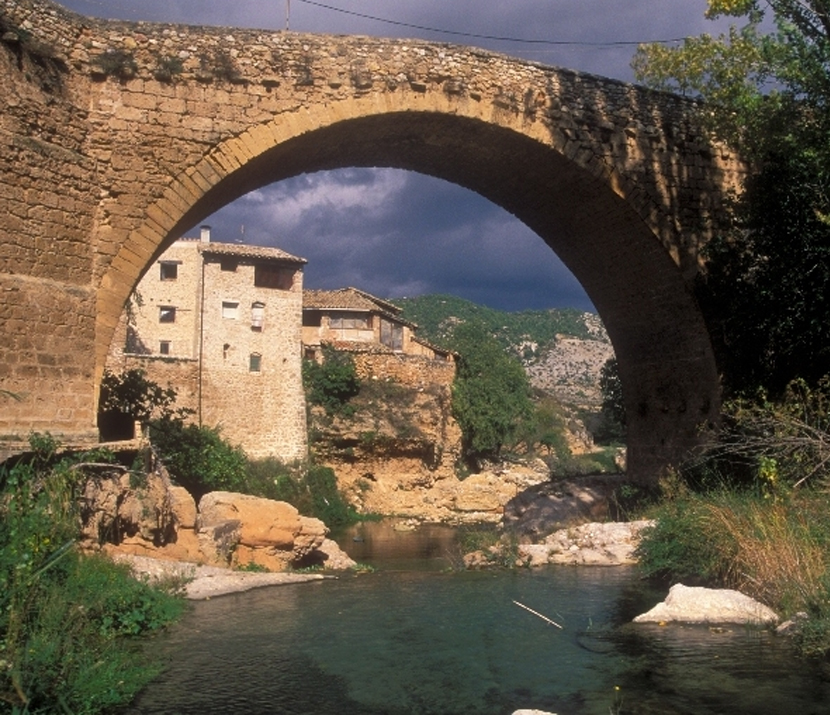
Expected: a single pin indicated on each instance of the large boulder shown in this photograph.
(142, 514)
(267, 533)
(695, 604)
(543, 508)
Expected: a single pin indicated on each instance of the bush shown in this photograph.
(198, 458)
(491, 394)
(773, 550)
(332, 382)
(313, 491)
(66, 619)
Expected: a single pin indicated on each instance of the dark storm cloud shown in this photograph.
(395, 233)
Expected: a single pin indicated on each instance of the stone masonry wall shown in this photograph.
(410, 370)
(105, 160)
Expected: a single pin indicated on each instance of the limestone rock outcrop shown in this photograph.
(146, 515)
(268, 533)
(538, 511)
(695, 604)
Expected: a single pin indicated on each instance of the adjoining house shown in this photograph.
(221, 323)
(383, 344)
(352, 319)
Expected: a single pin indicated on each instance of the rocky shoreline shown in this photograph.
(200, 582)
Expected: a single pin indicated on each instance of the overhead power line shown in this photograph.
(487, 37)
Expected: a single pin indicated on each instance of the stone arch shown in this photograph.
(612, 236)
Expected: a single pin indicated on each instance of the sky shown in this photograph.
(395, 233)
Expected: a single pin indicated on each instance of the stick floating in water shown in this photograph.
(536, 613)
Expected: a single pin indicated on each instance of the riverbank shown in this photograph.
(200, 582)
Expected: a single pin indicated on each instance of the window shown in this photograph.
(254, 362)
(168, 270)
(228, 264)
(353, 321)
(167, 314)
(391, 334)
(164, 347)
(312, 318)
(230, 310)
(257, 316)
(266, 276)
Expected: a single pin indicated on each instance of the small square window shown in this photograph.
(228, 264)
(164, 347)
(167, 314)
(230, 310)
(168, 271)
(255, 362)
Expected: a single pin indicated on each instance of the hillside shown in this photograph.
(562, 350)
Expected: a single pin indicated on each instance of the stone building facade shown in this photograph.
(221, 324)
(354, 320)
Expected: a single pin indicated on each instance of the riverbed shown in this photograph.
(412, 638)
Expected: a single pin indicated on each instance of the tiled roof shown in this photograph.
(242, 250)
(351, 299)
(342, 299)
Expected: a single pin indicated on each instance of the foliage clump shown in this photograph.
(491, 394)
(332, 382)
(67, 620)
(198, 458)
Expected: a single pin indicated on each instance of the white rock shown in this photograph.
(694, 604)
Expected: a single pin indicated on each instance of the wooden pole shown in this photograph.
(536, 613)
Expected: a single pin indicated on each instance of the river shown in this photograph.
(415, 639)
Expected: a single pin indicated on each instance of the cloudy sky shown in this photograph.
(398, 233)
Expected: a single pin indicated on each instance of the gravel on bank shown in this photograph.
(204, 582)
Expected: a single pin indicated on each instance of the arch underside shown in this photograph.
(665, 357)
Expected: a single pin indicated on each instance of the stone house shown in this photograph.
(354, 320)
(221, 323)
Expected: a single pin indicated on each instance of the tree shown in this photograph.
(131, 397)
(766, 291)
(332, 382)
(491, 393)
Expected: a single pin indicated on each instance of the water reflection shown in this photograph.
(440, 643)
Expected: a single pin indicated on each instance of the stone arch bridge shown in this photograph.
(116, 137)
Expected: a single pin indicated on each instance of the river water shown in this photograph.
(411, 639)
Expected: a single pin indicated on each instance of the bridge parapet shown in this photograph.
(121, 135)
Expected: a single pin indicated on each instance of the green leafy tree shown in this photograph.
(767, 288)
(332, 382)
(491, 393)
(132, 397)
(198, 458)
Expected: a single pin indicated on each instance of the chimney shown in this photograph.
(205, 234)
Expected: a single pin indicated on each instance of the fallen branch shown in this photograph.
(536, 613)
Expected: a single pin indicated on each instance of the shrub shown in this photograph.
(65, 617)
(332, 382)
(131, 397)
(198, 458)
(313, 490)
(775, 551)
(117, 63)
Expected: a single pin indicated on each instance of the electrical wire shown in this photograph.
(457, 33)
(618, 43)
